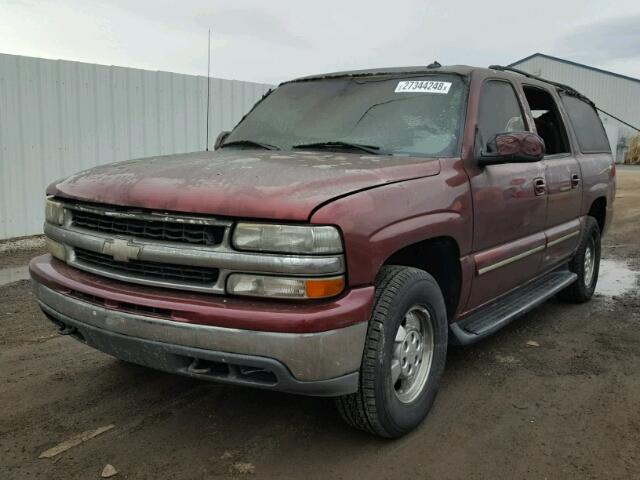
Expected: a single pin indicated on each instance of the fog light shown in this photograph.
(56, 249)
(284, 287)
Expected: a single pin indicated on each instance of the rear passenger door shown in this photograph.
(562, 176)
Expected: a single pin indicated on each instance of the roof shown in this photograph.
(436, 68)
(463, 70)
(575, 64)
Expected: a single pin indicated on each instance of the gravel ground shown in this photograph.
(554, 395)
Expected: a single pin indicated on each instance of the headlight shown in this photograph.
(54, 212)
(284, 287)
(263, 237)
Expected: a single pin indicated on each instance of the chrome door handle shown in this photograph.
(575, 180)
(539, 186)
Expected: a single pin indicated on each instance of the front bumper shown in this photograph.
(323, 363)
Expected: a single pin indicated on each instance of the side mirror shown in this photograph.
(222, 136)
(513, 147)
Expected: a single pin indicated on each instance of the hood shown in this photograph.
(240, 183)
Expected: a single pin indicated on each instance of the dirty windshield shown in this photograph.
(391, 115)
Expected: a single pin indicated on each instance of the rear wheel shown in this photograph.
(404, 356)
(586, 264)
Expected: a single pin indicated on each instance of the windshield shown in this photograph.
(395, 115)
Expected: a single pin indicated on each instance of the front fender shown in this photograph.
(377, 223)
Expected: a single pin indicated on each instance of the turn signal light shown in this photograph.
(322, 288)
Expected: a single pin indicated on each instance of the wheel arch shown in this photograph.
(440, 257)
(598, 210)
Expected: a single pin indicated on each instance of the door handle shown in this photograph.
(575, 180)
(539, 186)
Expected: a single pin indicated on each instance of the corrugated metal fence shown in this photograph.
(58, 117)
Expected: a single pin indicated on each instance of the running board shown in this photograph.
(499, 313)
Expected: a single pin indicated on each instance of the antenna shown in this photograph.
(208, 85)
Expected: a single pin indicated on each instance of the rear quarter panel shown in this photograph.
(599, 180)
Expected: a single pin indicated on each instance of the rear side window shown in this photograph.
(587, 125)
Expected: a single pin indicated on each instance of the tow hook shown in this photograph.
(66, 329)
(198, 367)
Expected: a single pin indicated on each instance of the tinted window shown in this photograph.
(403, 116)
(587, 125)
(499, 111)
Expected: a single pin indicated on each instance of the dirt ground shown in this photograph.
(568, 408)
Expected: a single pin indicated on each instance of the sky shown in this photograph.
(272, 41)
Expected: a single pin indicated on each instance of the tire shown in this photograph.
(582, 289)
(408, 298)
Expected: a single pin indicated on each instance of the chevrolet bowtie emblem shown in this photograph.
(121, 250)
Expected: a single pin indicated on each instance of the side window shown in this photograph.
(548, 121)
(499, 111)
(587, 126)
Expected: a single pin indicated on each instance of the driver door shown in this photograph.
(509, 204)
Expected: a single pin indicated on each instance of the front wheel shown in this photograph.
(586, 264)
(404, 355)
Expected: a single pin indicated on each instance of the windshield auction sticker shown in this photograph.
(424, 86)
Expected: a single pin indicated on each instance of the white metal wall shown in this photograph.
(58, 117)
(617, 95)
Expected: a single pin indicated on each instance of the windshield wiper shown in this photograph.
(339, 144)
(250, 143)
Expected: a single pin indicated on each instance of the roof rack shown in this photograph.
(565, 88)
(562, 86)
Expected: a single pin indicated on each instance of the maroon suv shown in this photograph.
(348, 229)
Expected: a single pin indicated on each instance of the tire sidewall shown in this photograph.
(592, 233)
(399, 417)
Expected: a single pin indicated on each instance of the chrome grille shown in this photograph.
(145, 228)
(184, 251)
(202, 276)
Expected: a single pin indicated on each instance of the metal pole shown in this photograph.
(208, 85)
